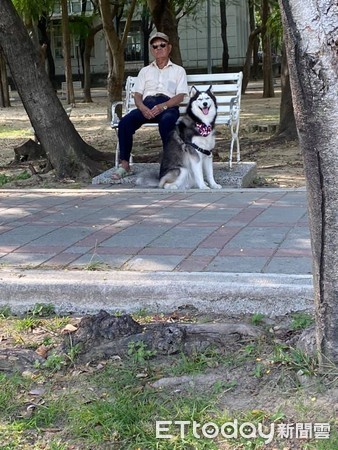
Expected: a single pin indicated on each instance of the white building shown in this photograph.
(196, 34)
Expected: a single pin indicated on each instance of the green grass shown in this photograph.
(257, 318)
(4, 179)
(113, 409)
(5, 311)
(43, 310)
(26, 323)
(113, 405)
(7, 132)
(300, 321)
(97, 266)
(130, 409)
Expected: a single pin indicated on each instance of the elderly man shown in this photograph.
(159, 89)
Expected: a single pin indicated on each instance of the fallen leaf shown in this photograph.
(37, 391)
(141, 375)
(38, 330)
(69, 328)
(51, 430)
(42, 351)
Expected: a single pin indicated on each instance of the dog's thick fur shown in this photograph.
(187, 158)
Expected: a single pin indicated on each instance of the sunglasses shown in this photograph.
(155, 47)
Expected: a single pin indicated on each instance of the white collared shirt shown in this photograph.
(170, 81)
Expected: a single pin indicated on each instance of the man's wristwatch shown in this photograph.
(164, 107)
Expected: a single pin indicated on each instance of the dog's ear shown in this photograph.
(210, 89)
(193, 91)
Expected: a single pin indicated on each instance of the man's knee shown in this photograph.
(130, 122)
(169, 119)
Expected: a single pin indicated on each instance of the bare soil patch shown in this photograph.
(279, 164)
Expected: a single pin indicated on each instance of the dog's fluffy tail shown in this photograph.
(148, 178)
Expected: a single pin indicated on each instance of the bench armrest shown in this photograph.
(234, 111)
(114, 117)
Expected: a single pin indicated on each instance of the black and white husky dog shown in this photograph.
(187, 157)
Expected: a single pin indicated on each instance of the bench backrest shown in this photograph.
(225, 86)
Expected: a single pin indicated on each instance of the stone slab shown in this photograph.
(241, 175)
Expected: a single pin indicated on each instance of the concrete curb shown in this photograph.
(116, 291)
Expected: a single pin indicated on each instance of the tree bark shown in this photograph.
(248, 58)
(268, 90)
(147, 26)
(116, 47)
(4, 89)
(89, 44)
(102, 335)
(69, 155)
(287, 124)
(42, 25)
(224, 27)
(255, 44)
(312, 51)
(66, 53)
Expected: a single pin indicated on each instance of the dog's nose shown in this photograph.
(205, 104)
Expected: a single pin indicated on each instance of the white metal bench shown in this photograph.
(77, 86)
(225, 86)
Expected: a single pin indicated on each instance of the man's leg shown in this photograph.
(166, 123)
(127, 127)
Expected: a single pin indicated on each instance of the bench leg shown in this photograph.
(231, 152)
(117, 154)
(234, 139)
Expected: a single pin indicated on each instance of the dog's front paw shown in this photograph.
(170, 186)
(216, 186)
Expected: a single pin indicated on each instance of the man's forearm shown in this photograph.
(174, 101)
(138, 100)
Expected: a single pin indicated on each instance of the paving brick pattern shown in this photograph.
(245, 231)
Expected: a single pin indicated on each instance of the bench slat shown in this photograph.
(212, 77)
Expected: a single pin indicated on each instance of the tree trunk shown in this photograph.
(86, 45)
(116, 48)
(42, 25)
(312, 51)
(255, 44)
(147, 26)
(268, 90)
(68, 153)
(224, 27)
(89, 44)
(165, 21)
(66, 53)
(248, 58)
(4, 89)
(287, 125)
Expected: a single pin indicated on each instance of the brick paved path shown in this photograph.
(245, 231)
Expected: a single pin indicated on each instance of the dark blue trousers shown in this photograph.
(135, 119)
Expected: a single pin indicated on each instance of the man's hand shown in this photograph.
(151, 113)
(157, 109)
(148, 113)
